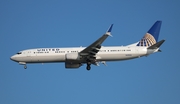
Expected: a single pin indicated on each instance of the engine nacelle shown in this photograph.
(72, 56)
(72, 65)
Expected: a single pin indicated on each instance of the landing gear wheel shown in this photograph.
(25, 67)
(88, 67)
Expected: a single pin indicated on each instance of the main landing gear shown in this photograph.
(88, 66)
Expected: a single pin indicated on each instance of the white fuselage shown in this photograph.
(48, 55)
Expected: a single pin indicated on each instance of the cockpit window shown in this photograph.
(19, 53)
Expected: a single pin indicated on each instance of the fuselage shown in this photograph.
(48, 55)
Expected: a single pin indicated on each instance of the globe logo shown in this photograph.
(147, 40)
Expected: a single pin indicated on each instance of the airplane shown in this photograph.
(95, 53)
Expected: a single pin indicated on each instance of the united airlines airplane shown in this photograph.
(95, 53)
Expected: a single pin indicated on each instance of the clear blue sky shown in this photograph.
(28, 24)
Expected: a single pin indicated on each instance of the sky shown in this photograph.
(26, 24)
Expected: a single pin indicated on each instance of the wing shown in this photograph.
(90, 51)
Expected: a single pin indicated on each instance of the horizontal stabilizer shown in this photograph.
(157, 45)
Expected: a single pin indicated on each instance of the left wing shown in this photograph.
(90, 51)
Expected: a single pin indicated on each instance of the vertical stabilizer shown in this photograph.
(151, 37)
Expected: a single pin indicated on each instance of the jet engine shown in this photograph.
(72, 56)
(72, 65)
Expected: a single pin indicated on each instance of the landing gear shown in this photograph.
(88, 66)
(25, 67)
(23, 63)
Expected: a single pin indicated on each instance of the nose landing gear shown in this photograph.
(23, 63)
(25, 66)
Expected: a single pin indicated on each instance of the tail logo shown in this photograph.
(151, 37)
(147, 40)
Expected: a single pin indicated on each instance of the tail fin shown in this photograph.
(151, 37)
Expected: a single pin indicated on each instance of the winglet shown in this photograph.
(109, 30)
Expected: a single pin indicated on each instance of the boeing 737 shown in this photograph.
(95, 53)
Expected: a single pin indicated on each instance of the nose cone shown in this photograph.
(13, 58)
